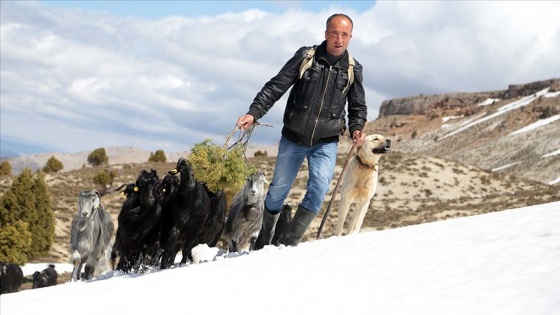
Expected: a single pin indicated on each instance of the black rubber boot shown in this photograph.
(301, 221)
(268, 228)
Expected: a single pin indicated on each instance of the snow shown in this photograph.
(29, 269)
(537, 124)
(446, 118)
(554, 182)
(505, 262)
(489, 101)
(553, 153)
(504, 166)
(552, 94)
(524, 101)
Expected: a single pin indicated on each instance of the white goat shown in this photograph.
(90, 234)
(245, 216)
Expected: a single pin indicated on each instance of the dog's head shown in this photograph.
(373, 148)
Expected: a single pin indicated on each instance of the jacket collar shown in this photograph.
(321, 53)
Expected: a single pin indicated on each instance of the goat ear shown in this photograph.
(96, 192)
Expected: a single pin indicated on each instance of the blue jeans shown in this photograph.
(321, 160)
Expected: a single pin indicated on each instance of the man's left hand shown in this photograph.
(358, 138)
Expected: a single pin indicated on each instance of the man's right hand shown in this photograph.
(245, 121)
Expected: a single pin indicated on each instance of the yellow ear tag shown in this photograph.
(164, 190)
(135, 188)
(122, 193)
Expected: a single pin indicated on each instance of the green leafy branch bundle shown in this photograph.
(223, 167)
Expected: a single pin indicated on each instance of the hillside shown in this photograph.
(450, 159)
(514, 131)
(413, 189)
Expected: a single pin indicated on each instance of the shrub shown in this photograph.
(5, 168)
(546, 113)
(104, 179)
(158, 156)
(98, 157)
(53, 165)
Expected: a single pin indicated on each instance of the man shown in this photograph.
(313, 121)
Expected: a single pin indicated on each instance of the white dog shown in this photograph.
(359, 182)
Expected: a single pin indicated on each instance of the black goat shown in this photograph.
(186, 212)
(216, 221)
(11, 277)
(46, 278)
(128, 189)
(137, 239)
(170, 184)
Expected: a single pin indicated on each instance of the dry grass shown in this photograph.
(412, 190)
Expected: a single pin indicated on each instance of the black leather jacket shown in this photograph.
(315, 111)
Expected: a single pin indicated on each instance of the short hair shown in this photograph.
(339, 14)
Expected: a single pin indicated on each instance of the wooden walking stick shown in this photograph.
(354, 147)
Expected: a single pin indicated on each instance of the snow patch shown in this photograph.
(204, 253)
(537, 124)
(553, 153)
(489, 101)
(504, 166)
(502, 110)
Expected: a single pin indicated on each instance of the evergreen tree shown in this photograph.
(15, 242)
(18, 204)
(43, 228)
(26, 213)
(19, 201)
(5, 168)
(53, 165)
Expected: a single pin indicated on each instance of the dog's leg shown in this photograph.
(342, 214)
(358, 218)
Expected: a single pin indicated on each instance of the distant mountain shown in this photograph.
(12, 147)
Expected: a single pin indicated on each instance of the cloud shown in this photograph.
(79, 79)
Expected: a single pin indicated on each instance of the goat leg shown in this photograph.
(88, 272)
(170, 250)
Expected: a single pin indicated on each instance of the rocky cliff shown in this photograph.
(434, 104)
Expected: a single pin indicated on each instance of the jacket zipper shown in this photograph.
(321, 107)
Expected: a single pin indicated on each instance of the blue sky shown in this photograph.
(159, 9)
(168, 75)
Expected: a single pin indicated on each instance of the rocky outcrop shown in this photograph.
(427, 104)
(521, 90)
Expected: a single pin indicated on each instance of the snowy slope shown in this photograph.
(505, 262)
